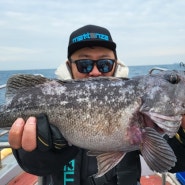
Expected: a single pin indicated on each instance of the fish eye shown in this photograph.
(172, 78)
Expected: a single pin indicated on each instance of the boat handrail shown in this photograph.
(156, 69)
(4, 144)
(3, 132)
(2, 86)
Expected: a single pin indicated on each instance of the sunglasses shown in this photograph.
(87, 65)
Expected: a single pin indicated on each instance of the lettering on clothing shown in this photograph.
(88, 35)
(69, 171)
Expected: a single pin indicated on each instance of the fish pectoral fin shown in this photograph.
(156, 151)
(106, 161)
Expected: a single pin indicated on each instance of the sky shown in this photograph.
(34, 34)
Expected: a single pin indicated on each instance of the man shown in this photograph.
(38, 145)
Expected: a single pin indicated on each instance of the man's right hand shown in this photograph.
(23, 134)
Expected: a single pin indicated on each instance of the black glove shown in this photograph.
(182, 135)
(52, 151)
(178, 146)
(49, 136)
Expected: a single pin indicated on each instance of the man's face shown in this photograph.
(93, 53)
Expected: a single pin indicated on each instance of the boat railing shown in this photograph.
(2, 133)
(156, 69)
(3, 144)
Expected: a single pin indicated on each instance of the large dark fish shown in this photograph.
(107, 116)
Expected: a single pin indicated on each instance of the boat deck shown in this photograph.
(24, 178)
(28, 179)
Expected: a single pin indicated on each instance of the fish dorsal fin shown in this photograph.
(156, 151)
(19, 82)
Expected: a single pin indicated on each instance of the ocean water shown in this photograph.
(133, 71)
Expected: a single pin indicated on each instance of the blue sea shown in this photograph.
(133, 71)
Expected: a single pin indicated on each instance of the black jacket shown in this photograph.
(59, 168)
(79, 170)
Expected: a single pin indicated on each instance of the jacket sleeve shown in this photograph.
(178, 145)
(44, 163)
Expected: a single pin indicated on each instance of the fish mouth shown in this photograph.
(163, 124)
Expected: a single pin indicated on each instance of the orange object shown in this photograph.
(152, 180)
(24, 178)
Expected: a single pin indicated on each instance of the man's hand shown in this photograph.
(49, 136)
(36, 133)
(23, 134)
(36, 141)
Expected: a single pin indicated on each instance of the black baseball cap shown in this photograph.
(88, 36)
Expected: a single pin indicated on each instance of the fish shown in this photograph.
(107, 116)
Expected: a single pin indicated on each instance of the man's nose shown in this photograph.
(95, 72)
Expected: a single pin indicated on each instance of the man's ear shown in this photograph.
(69, 67)
(68, 64)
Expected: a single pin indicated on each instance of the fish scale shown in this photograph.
(108, 116)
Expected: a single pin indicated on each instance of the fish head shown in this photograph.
(163, 101)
